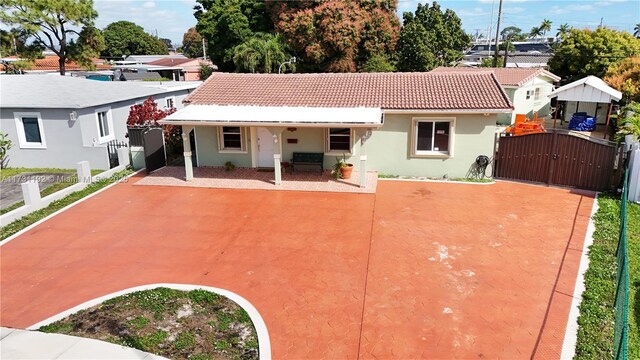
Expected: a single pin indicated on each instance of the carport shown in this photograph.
(590, 90)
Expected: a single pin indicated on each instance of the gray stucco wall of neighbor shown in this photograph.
(69, 142)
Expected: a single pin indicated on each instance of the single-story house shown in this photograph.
(56, 121)
(416, 124)
(180, 69)
(49, 64)
(528, 89)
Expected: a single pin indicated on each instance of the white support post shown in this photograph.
(188, 165)
(31, 193)
(84, 172)
(123, 156)
(276, 168)
(363, 158)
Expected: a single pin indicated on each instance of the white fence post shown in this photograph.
(31, 193)
(123, 156)
(84, 172)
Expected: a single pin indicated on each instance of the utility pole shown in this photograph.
(493, 6)
(495, 53)
(204, 51)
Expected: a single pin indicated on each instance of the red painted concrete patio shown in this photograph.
(418, 270)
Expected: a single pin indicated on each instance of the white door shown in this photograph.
(265, 148)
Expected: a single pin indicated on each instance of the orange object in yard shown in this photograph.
(523, 125)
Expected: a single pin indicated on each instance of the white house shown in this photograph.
(528, 89)
(56, 121)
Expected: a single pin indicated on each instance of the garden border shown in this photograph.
(264, 344)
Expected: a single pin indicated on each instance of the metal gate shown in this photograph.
(112, 151)
(556, 158)
(154, 153)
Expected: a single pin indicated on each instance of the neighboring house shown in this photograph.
(180, 69)
(57, 121)
(50, 64)
(418, 124)
(527, 89)
(145, 59)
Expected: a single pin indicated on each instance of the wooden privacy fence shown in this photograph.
(556, 158)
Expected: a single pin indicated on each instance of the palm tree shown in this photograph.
(262, 53)
(563, 30)
(535, 32)
(637, 31)
(545, 26)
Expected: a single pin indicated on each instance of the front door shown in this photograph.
(265, 147)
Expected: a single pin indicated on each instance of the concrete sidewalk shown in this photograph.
(24, 344)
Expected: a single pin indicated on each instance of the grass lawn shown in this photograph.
(175, 324)
(35, 216)
(49, 189)
(597, 316)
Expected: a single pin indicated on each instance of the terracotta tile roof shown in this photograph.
(50, 63)
(506, 76)
(429, 91)
(170, 62)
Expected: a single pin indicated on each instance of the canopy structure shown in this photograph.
(233, 115)
(589, 89)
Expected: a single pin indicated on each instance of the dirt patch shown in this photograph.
(175, 324)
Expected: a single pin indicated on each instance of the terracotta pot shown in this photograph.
(346, 171)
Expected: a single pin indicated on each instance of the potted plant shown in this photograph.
(342, 169)
(229, 166)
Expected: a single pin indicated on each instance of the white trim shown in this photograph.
(111, 135)
(22, 137)
(253, 140)
(264, 344)
(173, 101)
(432, 153)
(195, 140)
(571, 333)
(28, 228)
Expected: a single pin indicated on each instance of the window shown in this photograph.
(537, 94)
(30, 130)
(105, 125)
(528, 94)
(231, 139)
(169, 102)
(433, 137)
(339, 140)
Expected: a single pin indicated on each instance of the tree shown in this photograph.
(167, 43)
(192, 43)
(378, 63)
(535, 32)
(430, 38)
(563, 30)
(262, 53)
(14, 42)
(226, 24)
(592, 52)
(636, 31)
(629, 121)
(124, 38)
(488, 62)
(510, 32)
(337, 36)
(625, 77)
(88, 45)
(205, 71)
(545, 26)
(52, 23)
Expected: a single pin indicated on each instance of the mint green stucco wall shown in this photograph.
(207, 149)
(312, 140)
(388, 149)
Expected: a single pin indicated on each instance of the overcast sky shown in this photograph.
(171, 18)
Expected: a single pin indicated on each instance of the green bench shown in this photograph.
(300, 158)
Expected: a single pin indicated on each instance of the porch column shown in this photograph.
(363, 158)
(277, 156)
(188, 165)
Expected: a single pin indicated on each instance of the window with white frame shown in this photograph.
(231, 138)
(30, 130)
(433, 136)
(338, 140)
(536, 95)
(169, 102)
(105, 125)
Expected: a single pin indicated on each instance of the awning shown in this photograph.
(589, 89)
(218, 115)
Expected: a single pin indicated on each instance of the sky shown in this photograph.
(172, 18)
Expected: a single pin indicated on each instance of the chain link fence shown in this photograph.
(622, 290)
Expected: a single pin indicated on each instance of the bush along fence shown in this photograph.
(31, 189)
(621, 303)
